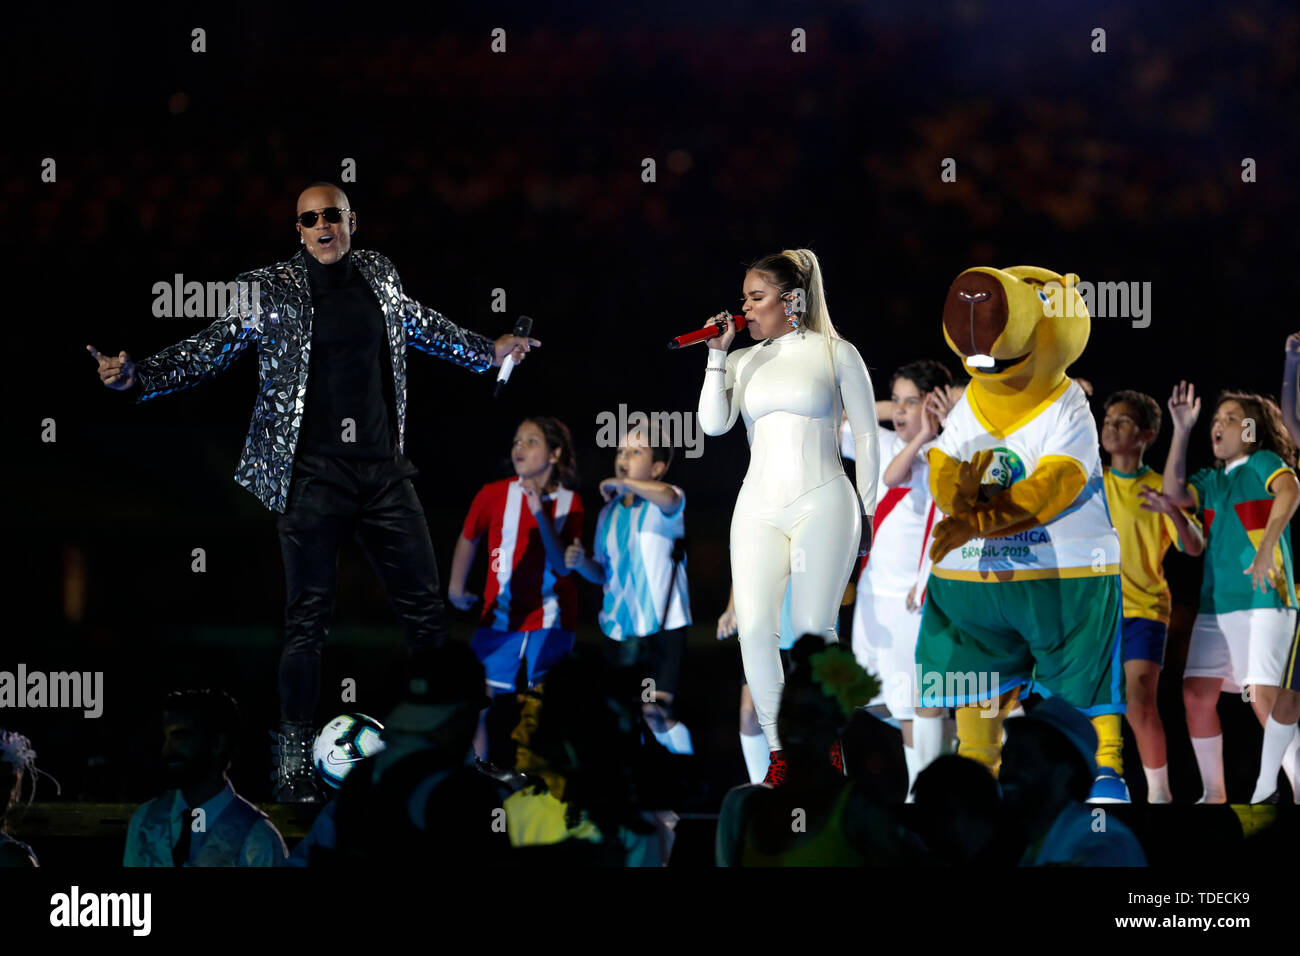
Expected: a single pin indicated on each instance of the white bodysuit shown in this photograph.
(797, 518)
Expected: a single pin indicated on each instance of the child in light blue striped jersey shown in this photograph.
(638, 558)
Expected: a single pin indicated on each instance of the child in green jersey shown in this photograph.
(1247, 613)
(1280, 733)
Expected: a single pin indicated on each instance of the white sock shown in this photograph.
(927, 739)
(1209, 759)
(1291, 763)
(909, 754)
(1016, 711)
(677, 739)
(757, 756)
(1278, 739)
(1158, 784)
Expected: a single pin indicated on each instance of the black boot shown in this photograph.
(293, 780)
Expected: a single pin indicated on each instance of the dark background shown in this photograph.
(522, 171)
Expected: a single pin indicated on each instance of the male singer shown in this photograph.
(324, 450)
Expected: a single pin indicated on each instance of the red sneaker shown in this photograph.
(776, 769)
(837, 756)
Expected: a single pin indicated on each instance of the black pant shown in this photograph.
(374, 500)
(658, 656)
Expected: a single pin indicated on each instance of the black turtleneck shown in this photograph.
(350, 372)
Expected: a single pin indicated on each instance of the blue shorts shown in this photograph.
(501, 653)
(1144, 640)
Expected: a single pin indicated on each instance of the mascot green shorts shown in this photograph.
(1055, 636)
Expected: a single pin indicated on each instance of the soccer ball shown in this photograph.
(344, 741)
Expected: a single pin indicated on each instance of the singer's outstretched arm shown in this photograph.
(201, 357)
(430, 331)
(720, 395)
(860, 405)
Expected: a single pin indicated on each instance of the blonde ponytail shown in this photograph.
(818, 316)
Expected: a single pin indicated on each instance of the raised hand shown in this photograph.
(931, 421)
(723, 341)
(574, 554)
(117, 373)
(1293, 344)
(1184, 406)
(940, 401)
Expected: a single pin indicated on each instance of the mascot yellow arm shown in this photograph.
(1032, 501)
(1029, 503)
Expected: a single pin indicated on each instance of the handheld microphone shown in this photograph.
(524, 328)
(706, 333)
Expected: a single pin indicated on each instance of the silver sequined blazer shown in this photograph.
(281, 330)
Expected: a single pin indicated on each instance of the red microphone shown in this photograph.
(708, 332)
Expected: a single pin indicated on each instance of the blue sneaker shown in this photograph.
(1109, 787)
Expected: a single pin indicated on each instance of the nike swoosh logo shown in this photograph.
(332, 759)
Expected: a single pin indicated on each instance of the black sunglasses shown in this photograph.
(331, 213)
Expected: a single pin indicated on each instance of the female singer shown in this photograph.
(797, 518)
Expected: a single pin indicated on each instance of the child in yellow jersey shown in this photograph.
(1147, 523)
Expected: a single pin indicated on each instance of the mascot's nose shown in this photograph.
(975, 312)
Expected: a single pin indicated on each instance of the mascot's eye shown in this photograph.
(1042, 295)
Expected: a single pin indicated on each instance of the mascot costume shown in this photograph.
(1024, 593)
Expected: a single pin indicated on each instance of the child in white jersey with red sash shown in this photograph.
(887, 613)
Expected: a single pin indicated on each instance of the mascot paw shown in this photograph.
(949, 533)
(970, 475)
